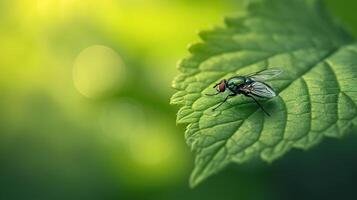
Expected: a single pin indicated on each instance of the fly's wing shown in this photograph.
(265, 74)
(261, 90)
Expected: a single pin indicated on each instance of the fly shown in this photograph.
(252, 86)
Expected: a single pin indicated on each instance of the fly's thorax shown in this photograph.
(236, 82)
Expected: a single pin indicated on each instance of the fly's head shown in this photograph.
(221, 86)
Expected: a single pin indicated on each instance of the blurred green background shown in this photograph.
(85, 114)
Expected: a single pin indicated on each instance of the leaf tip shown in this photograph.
(195, 180)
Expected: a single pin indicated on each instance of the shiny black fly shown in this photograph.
(252, 86)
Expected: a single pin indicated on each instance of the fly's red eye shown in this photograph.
(222, 86)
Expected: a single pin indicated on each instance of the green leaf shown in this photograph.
(317, 91)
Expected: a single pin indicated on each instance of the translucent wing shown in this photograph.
(261, 90)
(265, 74)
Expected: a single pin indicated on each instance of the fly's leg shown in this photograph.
(219, 105)
(212, 94)
(257, 102)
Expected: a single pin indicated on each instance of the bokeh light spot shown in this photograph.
(98, 71)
